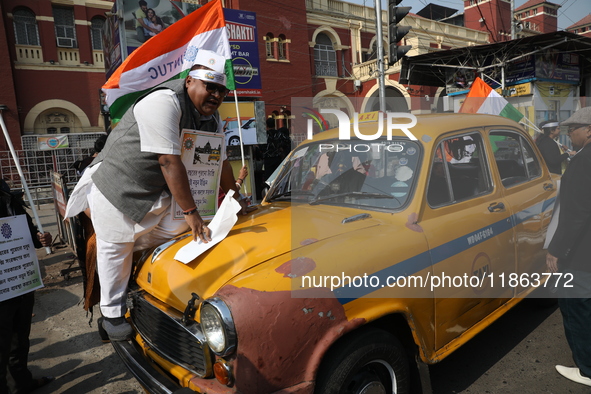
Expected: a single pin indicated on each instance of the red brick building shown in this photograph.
(538, 17)
(582, 27)
(492, 16)
(54, 67)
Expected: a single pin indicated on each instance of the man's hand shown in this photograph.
(198, 227)
(246, 209)
(44, 238)
(551, 263)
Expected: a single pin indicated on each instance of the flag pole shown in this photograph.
(239, 126)
(20, 173)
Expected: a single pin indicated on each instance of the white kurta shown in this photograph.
(158, 116)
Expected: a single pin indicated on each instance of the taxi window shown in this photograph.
(380, 174)
(458, 171)
(515, 158)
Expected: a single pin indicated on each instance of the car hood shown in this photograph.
(271, 231)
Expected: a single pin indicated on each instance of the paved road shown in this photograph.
(516, 355)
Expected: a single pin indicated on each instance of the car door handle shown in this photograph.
(548, 186)
(496, 207)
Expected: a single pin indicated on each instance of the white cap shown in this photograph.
(210, 59)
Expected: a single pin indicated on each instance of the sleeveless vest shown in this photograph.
(131, 179)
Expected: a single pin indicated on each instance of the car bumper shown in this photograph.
(147, 375)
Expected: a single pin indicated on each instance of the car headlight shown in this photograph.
(218, 326)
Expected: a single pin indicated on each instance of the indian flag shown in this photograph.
(169, 55)
(482, 99)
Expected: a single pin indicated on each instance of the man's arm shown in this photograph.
(175, 174)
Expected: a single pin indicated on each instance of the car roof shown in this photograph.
(429, 126)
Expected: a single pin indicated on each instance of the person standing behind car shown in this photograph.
(16, 314)
(278, 146)
(569, 252)
(549, 148)
(80, 165)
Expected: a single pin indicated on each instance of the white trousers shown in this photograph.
(115, 250)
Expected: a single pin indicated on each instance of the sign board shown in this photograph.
(242, 31)
(59, 193)
(135, 17)
(252, 126)
(523, 89)
(124, 32)
(112, 41)
(19, 267)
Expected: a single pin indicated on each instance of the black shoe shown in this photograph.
(102, 333)
(117, 328)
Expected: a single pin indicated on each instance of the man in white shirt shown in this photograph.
(130, 186)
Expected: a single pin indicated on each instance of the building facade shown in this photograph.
(55, 58)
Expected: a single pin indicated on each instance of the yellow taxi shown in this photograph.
(368, 260)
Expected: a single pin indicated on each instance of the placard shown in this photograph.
(202, 155)
(19, 267)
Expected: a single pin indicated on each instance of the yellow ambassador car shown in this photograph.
(368, 260)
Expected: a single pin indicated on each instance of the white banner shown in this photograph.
(53, 142)
(19, 267)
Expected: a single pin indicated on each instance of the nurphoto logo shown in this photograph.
(391, 118)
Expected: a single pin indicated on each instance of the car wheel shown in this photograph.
(373, 362)
(234, 141)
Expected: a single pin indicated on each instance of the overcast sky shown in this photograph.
(571, 11)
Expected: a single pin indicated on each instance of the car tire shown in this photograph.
(372, 362)
(234, 141)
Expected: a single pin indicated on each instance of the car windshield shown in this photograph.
(232, 124)
(378, 174)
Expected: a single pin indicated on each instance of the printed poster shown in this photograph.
(201, 153)
(19, 267)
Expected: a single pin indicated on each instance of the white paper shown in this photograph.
(220, 226)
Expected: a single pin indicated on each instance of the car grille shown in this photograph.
(167, 336)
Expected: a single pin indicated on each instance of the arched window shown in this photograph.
(25, 27)
(96, 33)
(372, 53)
(282, 47)
(325, 57)
(269, 46)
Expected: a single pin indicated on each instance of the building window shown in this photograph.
(65, 29)
(269, 41)
(325, 57)
(25, 27)
(372, 53)
(96, 33)
(282, 47)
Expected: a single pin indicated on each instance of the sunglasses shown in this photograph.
(576, 127)
(214, 87)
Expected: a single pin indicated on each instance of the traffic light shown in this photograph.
(396, 33)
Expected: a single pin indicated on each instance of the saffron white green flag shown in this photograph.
(169, 55)
(482, 99)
